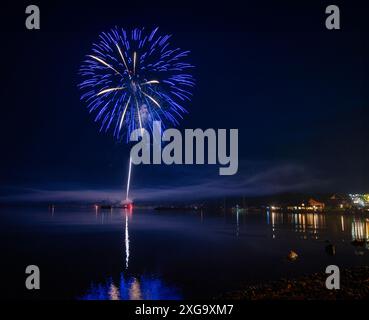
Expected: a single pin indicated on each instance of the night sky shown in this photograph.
(297, 92)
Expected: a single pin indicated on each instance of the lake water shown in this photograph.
(148, 254)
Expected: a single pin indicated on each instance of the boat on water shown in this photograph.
(124, 205)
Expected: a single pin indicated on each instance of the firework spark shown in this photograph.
(134, 78)
(129, 178)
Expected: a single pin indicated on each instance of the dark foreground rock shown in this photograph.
(354, 285)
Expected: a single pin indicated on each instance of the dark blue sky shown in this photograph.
(297, 92)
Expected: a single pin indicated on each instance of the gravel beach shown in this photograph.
(354, 286)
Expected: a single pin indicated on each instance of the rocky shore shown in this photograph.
(354, 286)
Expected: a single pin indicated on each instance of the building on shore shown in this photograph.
(360, 201)
(339, 202)
(310, 205)
(316, 205)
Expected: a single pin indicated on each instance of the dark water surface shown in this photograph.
(146, 254)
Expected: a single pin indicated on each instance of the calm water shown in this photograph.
(146, 254)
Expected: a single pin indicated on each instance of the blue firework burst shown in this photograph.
(134, 78)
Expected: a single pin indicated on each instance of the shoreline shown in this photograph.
(354, 286)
